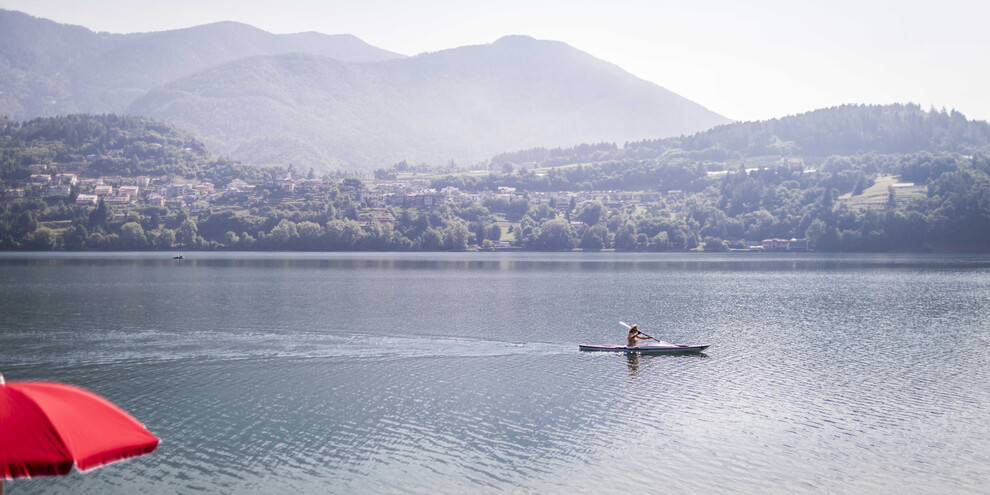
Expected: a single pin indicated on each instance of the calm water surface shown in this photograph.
(452, 373)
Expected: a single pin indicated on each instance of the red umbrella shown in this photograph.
(46, 428)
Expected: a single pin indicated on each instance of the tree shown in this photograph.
(642, 241)
(431, 240)
(554, 235)
(154, 220)
(494, 233)
(283, 234)
(455, 237)
(714, 244)
(517, 207)
(75, 238)
(343, 235)
(570, 208)
(541, 212)
(661, 241)
(625, 238)
(379, 236)
(162, 239)
(594, 238)
(132, 236)
(186, 233)
(42, 239)
(352, 184)
(479, 231)
(25, 223)
(821, 236)
(247, 241)
(309, 234)
(383, 174)
(99, 216)
(590, 213)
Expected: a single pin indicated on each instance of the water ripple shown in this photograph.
(319, 376)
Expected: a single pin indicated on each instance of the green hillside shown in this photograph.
(682, 200)
(844, 130)
(109, 145)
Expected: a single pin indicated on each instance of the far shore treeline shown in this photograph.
(851, 178)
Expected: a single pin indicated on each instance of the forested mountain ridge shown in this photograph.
(462, 104)
(842, 130)
(47, 68)
(110, 145)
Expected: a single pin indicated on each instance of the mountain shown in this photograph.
(334, 101)
(48, 68)
(462, 104)
(842, 130)
(110, 145)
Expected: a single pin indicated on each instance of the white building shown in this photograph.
(86, 199)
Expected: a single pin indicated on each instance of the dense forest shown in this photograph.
(845, 130)
(108, 145)
(930, 197)
(781, 199)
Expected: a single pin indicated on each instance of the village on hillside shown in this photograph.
(123, 194)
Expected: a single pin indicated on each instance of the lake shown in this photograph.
(460, 372)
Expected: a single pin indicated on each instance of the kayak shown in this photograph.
(646, 348)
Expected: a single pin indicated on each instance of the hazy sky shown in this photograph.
(745, 60)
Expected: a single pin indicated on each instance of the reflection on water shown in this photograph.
(633, 362)
(413, 373)
(556, 262)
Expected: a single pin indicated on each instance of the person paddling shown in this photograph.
(634, 336)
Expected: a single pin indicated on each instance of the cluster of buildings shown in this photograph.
(198, 196)
(118, 191)
(417, 193)
(114, 190)
(404, 194)
(43, 183)
(782, 245)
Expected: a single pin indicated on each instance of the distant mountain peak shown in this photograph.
(516, 38)
(524, 41)
(47, 68)
(337, 102)
(462, 104)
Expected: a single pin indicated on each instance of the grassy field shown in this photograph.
(875, 196)
(506, 235)
(58, 226)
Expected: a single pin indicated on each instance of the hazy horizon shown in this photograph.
(747, 62)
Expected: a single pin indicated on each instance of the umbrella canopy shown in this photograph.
(46, 428)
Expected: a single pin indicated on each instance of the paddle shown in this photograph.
(644, 335)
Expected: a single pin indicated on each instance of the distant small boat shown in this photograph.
(178, 257)
(647, 348)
